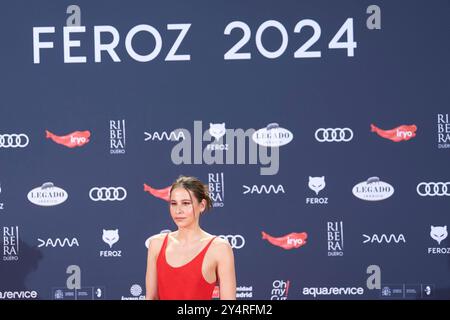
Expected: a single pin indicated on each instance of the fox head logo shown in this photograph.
(316, 184)
(110, 236)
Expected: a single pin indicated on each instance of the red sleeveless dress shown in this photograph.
(185, 282)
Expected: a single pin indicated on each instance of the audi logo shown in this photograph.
(108, 194)
(433, 189)
(334, 134)
(236, 241)
(14, 140)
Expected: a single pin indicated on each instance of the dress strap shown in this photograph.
(207, 246)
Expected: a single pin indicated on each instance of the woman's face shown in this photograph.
(185, 208)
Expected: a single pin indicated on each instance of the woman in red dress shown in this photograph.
(188, 263)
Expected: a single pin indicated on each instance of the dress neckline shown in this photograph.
(190, 261)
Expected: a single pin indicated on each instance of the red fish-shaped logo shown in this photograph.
(72, 140)
(289, 241)
(401, 133)
(159, 193)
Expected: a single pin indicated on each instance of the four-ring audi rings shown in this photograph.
(236, 241)
(334, 134)
(107, 193)
(433, 189)
(14, 140)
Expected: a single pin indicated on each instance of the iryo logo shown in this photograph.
(163, 194)
(289, 241)
(72, 140)
(401, 133)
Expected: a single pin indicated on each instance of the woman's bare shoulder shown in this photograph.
(221, 249)
(156, 241)
(220, 245)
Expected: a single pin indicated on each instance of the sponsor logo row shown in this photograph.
(293, 240)
(271, 136)
(242, 146)
(373, 189)
(281, 290)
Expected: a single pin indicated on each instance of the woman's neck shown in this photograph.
(189, 235)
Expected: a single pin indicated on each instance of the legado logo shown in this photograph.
(373, 190)
(72, 140)
(47, 195)
(272, 136)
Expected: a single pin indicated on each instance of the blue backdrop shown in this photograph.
(99, 98)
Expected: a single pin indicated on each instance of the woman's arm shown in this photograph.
(151, 283)
(226, 272)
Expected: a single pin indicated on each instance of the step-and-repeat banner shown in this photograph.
(321, 128)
